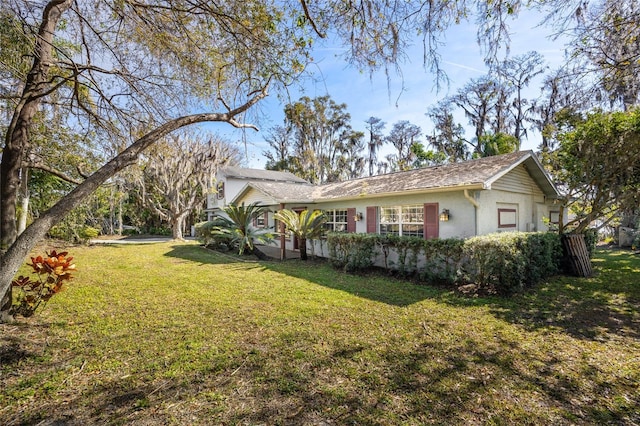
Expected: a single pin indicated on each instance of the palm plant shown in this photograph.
(238, 224)
(306, 225)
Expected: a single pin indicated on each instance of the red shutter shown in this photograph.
(431, 221)
(372, 220)
(351, 220)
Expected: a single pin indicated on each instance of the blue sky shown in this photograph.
(370, 95)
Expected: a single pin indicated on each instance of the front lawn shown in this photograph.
(175, 334)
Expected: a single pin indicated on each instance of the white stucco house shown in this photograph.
(231, 180)
(510, 192)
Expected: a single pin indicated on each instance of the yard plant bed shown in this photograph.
(173, 333)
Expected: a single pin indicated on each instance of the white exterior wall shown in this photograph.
(232, 186)
(531, 211)
(518, 190)
(461, 222)
(461, 211)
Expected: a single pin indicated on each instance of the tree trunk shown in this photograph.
(303, 249)
(17, 135)
(120, 197)
(176, 227)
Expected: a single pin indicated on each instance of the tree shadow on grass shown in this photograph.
(205, 256)
(587, 308)
(432, 380)
(374, 286)
(595, 308)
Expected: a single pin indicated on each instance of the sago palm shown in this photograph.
(305, 225)
(238, 223)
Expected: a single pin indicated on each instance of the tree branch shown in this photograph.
(311, 21)
(57, 173)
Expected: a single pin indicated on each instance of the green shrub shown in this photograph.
(495, 262)
(500, 263)
(352, 252)
(591, 239)
(157, 230)
(207, 233)
(88, 232)
(78, 234)
(442, 260)
(508, 262)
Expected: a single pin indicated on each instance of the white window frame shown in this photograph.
(335, 222)
(404, 217)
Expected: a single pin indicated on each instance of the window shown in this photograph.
(554, 217)
(507, 218)
(336, 220)
(407, 221)
(220, 190)
(260, 221)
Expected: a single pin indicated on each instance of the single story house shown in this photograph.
(510, 192)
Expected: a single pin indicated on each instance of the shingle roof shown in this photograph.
(286, 192)
(475, 172)
(480, 173)
(258, 174)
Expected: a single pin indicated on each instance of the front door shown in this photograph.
(431, 221)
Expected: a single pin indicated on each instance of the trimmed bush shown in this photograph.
(443, 260)
(500, 263)
(508, 262)
(352, 252)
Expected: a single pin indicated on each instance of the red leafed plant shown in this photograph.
(51, 272)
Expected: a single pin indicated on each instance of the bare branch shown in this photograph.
(310, 19)
(45, 168)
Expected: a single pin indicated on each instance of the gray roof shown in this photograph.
(286, 192)
(474, 174)
(258, 174)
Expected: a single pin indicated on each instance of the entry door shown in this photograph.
(431, 221)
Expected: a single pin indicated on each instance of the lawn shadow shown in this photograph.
(374, 286)
(595, 308)
(205, 256)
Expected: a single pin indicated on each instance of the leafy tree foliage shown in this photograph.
(597, 165)
(447, 137)
(321, 132)
(425, 158)
(606, 44)
(496, 144)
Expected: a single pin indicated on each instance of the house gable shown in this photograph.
(518, 180)
(251, 195)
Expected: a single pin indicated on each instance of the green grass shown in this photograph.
(175, 334)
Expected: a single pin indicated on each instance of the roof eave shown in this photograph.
(452, 188)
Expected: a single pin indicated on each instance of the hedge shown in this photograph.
(501, 263)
